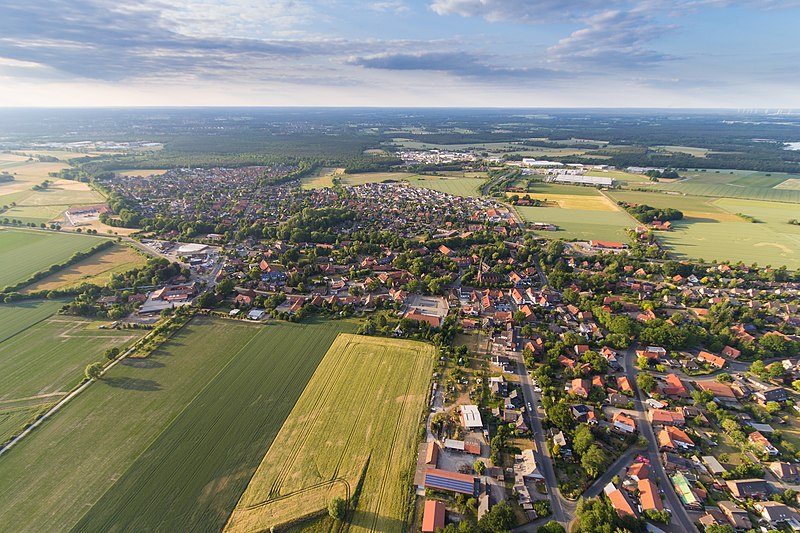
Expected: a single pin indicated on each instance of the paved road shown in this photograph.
(542, 455)
(680, 518)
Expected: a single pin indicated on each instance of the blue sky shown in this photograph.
(481, 53)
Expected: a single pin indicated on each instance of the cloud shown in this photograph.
(612, 39)
(461, 64)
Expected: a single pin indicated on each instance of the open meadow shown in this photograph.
(187, 426)
(96, 269)
(24, 252)
(354, 425)
(42, 357)
(455, 185)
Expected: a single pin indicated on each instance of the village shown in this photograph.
(571, 371)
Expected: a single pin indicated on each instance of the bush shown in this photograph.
(337, 508)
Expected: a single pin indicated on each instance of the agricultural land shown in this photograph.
(96, 269)
(355, 425)
(171, 440)
(23, 253)
(42, 357)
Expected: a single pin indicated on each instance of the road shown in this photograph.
(680, 518)
(542, 454)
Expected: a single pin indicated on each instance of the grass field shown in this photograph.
(96, 269)
(42, 362)
(165, 443)
(23, 253)
(541, 187)
(360, 411)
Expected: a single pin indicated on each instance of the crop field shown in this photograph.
(23, 253)
(744, 184)
(691, 150)
(41, 363)
(321, 179)
(374, 177)
(188, 426)
(541, 187)
(772, 241)
(19, 316)
(694, 207)
(792, 184)
(142, 172)
(581, 224)
(96, 269)
(457, 186)
(572, 201)
(356, 423)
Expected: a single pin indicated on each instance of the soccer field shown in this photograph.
(356, 423)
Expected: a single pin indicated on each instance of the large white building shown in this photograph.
(471, 417)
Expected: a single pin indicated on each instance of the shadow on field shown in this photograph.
(145, 385)
(141, 363)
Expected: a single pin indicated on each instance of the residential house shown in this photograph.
(737, 517)
(761, 442)
(742, 489)
(649, 496)
(776, 513)
(584, 413)
(674, 387)
(787, 472)
(621, 503)
(652, 352)
(623, 423)
(638, 471)
(711, 359)
(662, 417)
(671, 438)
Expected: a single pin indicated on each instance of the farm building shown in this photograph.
(433, 516)
(432, 454)
(584, 180)
(471, 417)
(451, 481)
(257, 314)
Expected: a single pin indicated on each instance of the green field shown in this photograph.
(691, 206)
(42, 362)
(541, 187)
(19, 316)
(744, 184)
(164, 443)
(356, 422)
(23, 253)
(771, 241)
(581, 224)
(457, 186)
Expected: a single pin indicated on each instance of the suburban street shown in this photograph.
(680, 518)
(542, 455)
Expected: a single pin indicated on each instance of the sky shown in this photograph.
(400, 53)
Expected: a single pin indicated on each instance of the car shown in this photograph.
(537, 389)
(529, 405)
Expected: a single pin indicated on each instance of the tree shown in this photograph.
(594, 460)
(583, 439)
(336, 508)
(724, 378)
(501, 518)
(551, 527)
(112, 353)
(206, 300)
(646, 382)
(773, 407)
(717, 528)
(94, 371)
(480, 467)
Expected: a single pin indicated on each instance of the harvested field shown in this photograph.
(356, 423)
(96, 269)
